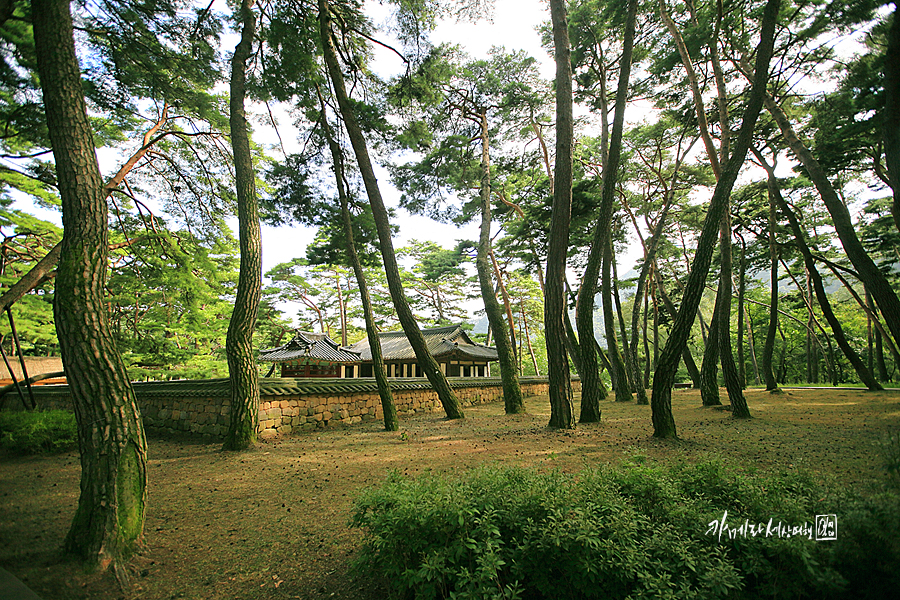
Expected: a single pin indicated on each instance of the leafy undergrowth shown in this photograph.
(682, 532)
(273, 522)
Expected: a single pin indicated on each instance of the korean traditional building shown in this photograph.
(313, 355)
(316, 355)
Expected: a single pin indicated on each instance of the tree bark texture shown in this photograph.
(661, 397)
(686, 355)
(584, 315)
(388, 407)
(562, 412)
(382, 225)
(242, 370)
(733, 383)
(39, 273)
(512, 392)
(109, 520)
(709, 368)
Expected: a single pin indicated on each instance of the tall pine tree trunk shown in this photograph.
(709, 369)
(649, 259)
(242, 370)
(617, 363)
(382, 225)
(512, 392)
(891, 114)
(733, 384)
(661, 398)
(742, 291)
(561, 407)
(602, 244)
(632, 370)
(388, 407)
(109, 520)
(769, 348)
(686, 356)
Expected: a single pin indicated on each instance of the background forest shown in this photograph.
(749, 152)
(153, 77)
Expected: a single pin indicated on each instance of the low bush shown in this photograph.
(628, 532)
(41, 432)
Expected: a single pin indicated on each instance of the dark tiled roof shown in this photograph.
(310, 345)
(443, 342)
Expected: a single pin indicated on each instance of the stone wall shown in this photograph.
(201, 408)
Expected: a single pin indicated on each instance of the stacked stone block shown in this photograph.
(206, 415)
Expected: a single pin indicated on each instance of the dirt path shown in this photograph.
(273, 522)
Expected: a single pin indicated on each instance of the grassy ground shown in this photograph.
(272, 522)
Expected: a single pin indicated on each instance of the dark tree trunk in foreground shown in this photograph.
(891, 113)
(512, 392)
(109, 520)
(601, 244)
(772, 330)
(837, 331)
(733, 383)
(661, 398)
(382, 224)
(242, 371)
(709, 368)
(388, 408)
(686, 356)
(742, 292)
(562, 411)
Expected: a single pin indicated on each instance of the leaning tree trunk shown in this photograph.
(837, 331)
(742, 292)
(772, 330)
(242, 370)
(632, 371)
(512, 392)
(733, 384)
(876, 282)
(709, 368)
(601, 244)
(686, 356)
(661, 398)
(388, 407)
(109, 520)
(891, 114)
(562, 412)
(623, 385)
(382, 225)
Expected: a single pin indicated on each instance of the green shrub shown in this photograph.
(630, 532)
(44, 432)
